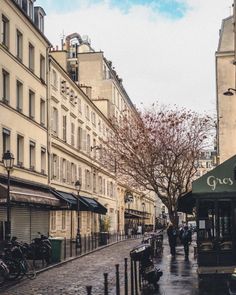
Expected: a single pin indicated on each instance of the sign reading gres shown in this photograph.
(213, 181)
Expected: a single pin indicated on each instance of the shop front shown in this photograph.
(214, 198)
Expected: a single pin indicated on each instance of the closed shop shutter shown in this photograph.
(3, 218)
(20, 223)
(39, 222)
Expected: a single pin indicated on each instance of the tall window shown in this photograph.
(19, 45)
(64, 128)
(42, 67)
(30, 9)
(5, 31)
(79, 105)
(32, 155)
(42, 112)
(53, 218)
(88, 144)
(55, 121)
(79, 138)
(31, 57)
(19, 96)
(31, 104)
(43, 160)
(73, 173)
(6, 139)
(5, 86)
(54, 78)
(64, 170)
(63, 220)
(87, 179)
(94, 182)
(55, 166)
(72, 134)
(20, 150)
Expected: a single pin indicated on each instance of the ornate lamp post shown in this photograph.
(8, 161)
(143, 205)
(78, 236)
(154, 227)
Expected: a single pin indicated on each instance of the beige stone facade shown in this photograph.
(225, 78)
(55, 107)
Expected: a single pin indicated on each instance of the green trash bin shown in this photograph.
(56, 249)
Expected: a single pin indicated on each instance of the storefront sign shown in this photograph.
(213, 181)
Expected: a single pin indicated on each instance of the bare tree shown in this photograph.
(158, 150)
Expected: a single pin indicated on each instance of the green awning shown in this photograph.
(93, 205)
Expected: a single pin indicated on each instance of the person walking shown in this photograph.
(172, 236)
(186, 239)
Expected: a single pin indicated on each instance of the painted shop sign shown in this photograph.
(213, 181)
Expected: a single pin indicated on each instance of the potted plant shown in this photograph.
(105, 224)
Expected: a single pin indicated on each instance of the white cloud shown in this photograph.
(158, 58)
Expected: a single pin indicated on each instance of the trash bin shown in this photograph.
(56, 248)
(103, 238)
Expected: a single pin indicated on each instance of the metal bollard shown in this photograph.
(117, 280)
(126, 276)
(89, 290)
(64, 248)
(105, 283)
(131, 277)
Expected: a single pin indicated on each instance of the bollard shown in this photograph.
(117, 280)
(126, 276)
(131, 277)
(70, 247)
(89, 290)
(64, 248)
(85, 244)
(105, 283)
(135, 278)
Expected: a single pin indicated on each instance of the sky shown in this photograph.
(164, 50)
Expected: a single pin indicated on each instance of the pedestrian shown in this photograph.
(172, 236)
(186, 239)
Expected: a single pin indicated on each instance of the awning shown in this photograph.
(135, 214)
(85, 203)
(26, 195)
(186, 203)
(93, 205)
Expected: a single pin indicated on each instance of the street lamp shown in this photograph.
(229, 92)
(143, 204)
(154, 228)
(78, 236)
(129, 198)
(8, 161)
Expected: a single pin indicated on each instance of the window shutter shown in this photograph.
(51, 158)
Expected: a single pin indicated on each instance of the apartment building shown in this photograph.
(54, 121)
(23, 120)
(225, 79)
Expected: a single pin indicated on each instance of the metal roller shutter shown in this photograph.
(39, 222)
(20, 223)
(3, 218)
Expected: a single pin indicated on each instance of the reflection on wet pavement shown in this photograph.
(180, 276)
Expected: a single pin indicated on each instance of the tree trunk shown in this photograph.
(173, 215)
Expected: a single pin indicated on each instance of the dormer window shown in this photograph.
(39, 14)
(30, 9)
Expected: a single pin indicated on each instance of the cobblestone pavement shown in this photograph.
(71, 278)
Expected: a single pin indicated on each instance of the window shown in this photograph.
(53, 217)
(20, 150)
(31, 104)
(64, 171)
(100, 185)
(5, 31)
(73, 173)
(42, 112)
(64, 128)
(6, 140)
(88, 144)
(63, 220)
(93, 118)
(32, 155)
(43, 160)
(55, 166)
(19, 45)
(54, 78)
(30, 9)
(55, 121)
(41, 22)
(79, 138)
(87, 112)
(31, 57)
(72, 134)
(87, 180)
(42, 67)
(19, 96)
(94, 182)
(5, 86)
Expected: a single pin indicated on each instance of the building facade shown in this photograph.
(56, 112)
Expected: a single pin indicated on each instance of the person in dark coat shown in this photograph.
(186, 239)
(172, 236)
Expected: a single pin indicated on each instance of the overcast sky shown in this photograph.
(164, 50)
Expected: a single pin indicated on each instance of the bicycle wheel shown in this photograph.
(2, 276)
(14, 269)
(29, 273)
